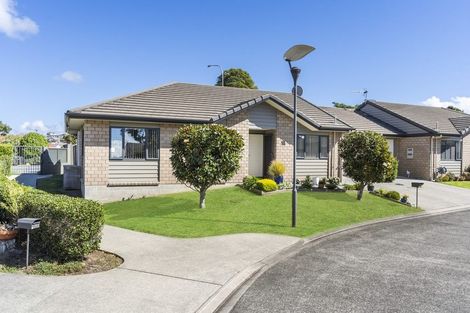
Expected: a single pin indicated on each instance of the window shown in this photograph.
(451, 150)
(134, 143)
(312, 147)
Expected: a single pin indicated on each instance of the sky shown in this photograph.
(56, 55)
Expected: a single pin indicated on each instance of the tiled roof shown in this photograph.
(432, 119)
(185, 102)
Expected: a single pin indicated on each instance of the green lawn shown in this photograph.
(51, 184)
(234, 210)
(463, 184)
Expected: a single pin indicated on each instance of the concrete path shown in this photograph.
(433, 196)
(160, 274)
(418, 265)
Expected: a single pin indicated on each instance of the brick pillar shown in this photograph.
(284, 143)
(240, 123)
(96, 154)
(167, 132)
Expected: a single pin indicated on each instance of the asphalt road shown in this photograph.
(420, 265)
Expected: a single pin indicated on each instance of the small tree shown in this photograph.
(205, 155)
(343, 105)
(33, 139)
(5, 129)
(236, 77)
(366, 159)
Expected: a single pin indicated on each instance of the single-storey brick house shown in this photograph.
(422, 138)
(124, 144)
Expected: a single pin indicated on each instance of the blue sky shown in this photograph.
(56, 55)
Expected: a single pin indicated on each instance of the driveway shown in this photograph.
(160, 274)
(418, 265)
(433, 196)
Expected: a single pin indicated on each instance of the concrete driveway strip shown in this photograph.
(160, 274)
(433, 197)
(417, 265)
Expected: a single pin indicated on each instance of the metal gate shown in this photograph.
(26, 160)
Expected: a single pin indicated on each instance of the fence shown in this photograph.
(26, 160)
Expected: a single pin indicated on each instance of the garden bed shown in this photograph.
(14, 261)
(322, 190)
(266, 193)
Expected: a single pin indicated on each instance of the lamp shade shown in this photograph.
(297, 52)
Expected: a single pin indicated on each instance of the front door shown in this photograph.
(255, 155)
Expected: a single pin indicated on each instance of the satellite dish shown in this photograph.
(300, 91)
(297, 52)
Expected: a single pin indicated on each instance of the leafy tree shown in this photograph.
(5, 129)
(33, 139)
(366, 159)
(236, 77)
(343, 105)
(71, 139)
(11, 139)
(451, 107)
(205, 155)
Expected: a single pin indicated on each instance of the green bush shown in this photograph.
(382, 192)
(33, 139)
(70, 227)
(332, 182)
(10, 194)
(395, 195)
(266, 185)
(249, 182)
(307, 183)
(445, 178)
(6, 159)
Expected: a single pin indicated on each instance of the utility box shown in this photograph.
(29, 223)
(72, 176)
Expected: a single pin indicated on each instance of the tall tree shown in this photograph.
(451, 107)
(343, 105)
(5, 129)
(236, 77)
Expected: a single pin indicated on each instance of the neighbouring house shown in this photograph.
(123, 144)
(422, 138)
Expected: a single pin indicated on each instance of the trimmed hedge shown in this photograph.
(6, 159)
(266, 185)
(70, 227)
(395, 195)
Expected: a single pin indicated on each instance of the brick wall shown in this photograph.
(167, 131)
(96, 146)
(465, 152)
(420, 165)
(284, 143)
(240, 123)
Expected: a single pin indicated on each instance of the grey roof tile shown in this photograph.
(433, 119)
(198, 103)
(361, 121)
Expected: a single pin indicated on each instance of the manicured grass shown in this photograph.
(462, 184)
(234, 210)
(51, 184)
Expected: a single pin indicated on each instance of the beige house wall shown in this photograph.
(465, 152)
(420, 165)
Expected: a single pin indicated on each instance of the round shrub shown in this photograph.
(394, 195)
(266, 185)
(249, 182)
(10, 193)
(70, 227)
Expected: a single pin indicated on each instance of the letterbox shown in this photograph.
(29, 223)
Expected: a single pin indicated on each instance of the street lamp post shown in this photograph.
(221, 71)
(295, 53)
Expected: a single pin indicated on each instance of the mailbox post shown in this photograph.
(28, 224)
(417, 185)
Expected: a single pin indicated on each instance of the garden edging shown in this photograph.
(228, 295)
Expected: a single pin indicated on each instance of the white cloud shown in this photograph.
(37, 125)
(71, 76)
(13, 25)
(462, 103)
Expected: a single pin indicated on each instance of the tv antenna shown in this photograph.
(364, 92)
